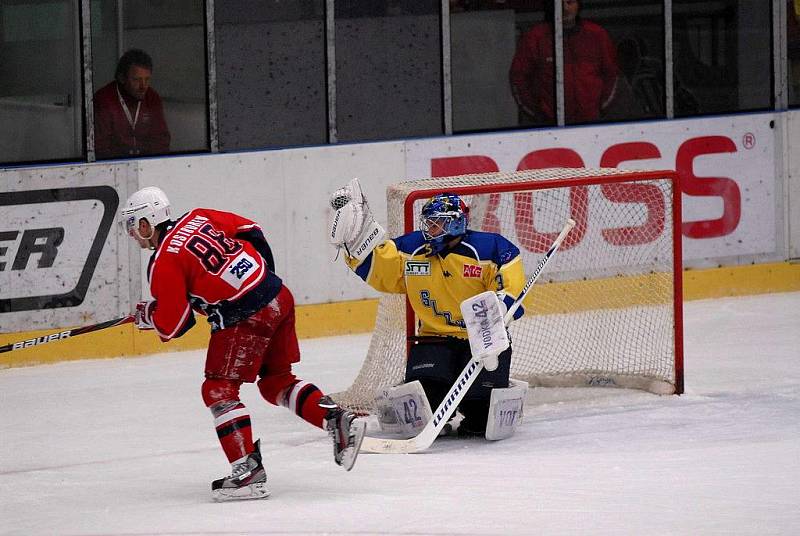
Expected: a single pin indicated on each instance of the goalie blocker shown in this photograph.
(351, 224)
(486, 329)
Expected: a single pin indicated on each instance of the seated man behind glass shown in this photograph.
(128, 113)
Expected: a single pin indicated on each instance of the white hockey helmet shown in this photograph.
(150, 203)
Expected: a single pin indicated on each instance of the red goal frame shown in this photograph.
(623, 177)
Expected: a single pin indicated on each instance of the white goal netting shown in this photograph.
(606, 310)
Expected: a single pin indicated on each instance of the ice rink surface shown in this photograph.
(126, 447)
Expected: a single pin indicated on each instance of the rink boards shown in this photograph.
(64, 260)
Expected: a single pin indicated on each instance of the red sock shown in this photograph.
(302, 398)
(232, 421)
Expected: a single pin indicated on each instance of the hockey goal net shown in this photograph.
(607, 311)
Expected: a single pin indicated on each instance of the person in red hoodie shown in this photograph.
(590, 69)
(128, 113)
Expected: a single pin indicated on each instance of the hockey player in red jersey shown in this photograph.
(219, 264)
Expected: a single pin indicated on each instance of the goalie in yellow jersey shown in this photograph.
(437, 267)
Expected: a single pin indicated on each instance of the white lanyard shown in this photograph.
(131, 120)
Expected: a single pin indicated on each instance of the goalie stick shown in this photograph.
(430, 432)
(66, 334)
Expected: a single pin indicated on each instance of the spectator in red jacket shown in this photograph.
(590, 69)
(128, 113)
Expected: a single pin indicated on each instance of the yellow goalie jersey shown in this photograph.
(437, 284)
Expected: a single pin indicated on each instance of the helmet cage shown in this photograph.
(445, 225)
(443, 218)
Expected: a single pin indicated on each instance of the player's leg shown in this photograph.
(279, 386)
(231, 417)
(234, 357)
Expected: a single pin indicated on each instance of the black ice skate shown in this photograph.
(248, 480)
(346, 431)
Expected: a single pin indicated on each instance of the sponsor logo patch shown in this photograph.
(418, 268)
(239, 270)
(471, 270)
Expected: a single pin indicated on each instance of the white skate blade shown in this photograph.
(257, 490)
(350, 454)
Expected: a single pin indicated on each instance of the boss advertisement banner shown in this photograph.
(59, 259)
(727, 167)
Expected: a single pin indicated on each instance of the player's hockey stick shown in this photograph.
(66, 334)
(430, 432)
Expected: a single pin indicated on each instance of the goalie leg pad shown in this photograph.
(506, 410)
(403, 410)
(351, 224)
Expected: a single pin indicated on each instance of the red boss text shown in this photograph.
(722, 187)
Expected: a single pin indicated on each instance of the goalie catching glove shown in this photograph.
(351, 224)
